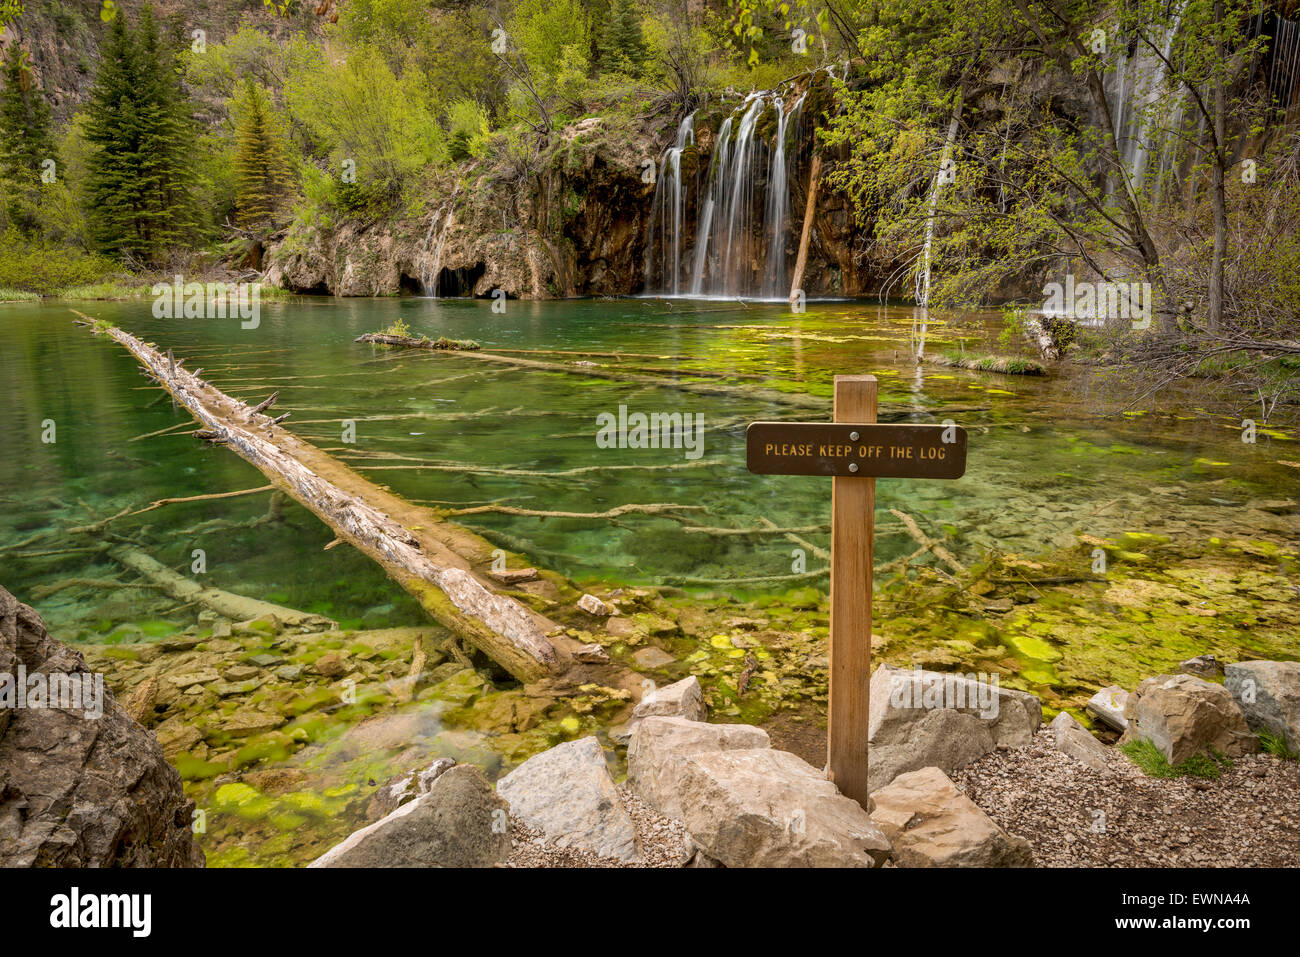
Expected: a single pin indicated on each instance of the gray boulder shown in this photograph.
(459, 822)
(924, 719)
(1075, 741)
(567, 793)
(763, 808)
(1107, 706)
(1268, 693)
(79, 790)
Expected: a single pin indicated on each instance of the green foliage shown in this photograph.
(375, 130)
(1275, 744)
(17, 295)
(468, 130)
(262, 175)
(550, 59)
(622, 45)
(140, 134)
(25, 140)
(35, 265)
(398, 327)
(1153, 763)
(27, 153)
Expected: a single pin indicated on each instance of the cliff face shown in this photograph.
(573, 224)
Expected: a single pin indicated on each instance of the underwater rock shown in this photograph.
(1183, 716)
(567, 793)
(1268, 693)
(514, 576)
(591, 654)
(1107, 706)
(459, 822)
(594, 606)
(78, 790)
(764, 808)
(923, 719)
(652, 657)
(657, 742)
(1203, 666)
(932, 824)
(1075, 741)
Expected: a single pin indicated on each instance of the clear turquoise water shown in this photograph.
(1046, 454)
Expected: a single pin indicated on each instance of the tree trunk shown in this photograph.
(1218, 185)
(801, 263)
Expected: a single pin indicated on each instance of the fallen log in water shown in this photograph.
(225, 603)
(430, 558)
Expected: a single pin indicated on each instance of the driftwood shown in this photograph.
(432, 565)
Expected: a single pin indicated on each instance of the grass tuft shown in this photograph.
(1154, 764)
(1275, 744)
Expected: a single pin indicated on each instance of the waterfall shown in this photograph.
(666, 212)
(775, 284)
(743, 216)
(1135, 90)
(429, 272)
(428, 280)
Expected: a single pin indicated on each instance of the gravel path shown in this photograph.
(664, 842)
(1076, 817)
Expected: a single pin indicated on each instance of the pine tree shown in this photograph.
(624, 45)
(261, 171)
(140, 131)
(25, 140)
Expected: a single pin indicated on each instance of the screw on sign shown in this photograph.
(853, 451)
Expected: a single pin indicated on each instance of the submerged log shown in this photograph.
(227, 604)
(434, 565)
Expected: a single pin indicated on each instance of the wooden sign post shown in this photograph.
(854, 451)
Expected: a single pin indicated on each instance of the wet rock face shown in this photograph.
(78, 791)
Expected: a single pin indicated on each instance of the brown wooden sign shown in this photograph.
(868, 450)
(853, 451)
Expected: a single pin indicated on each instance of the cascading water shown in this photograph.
(431, 265)
(1137, 92)
(775, 281)
(666, 212)
(744, 219)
